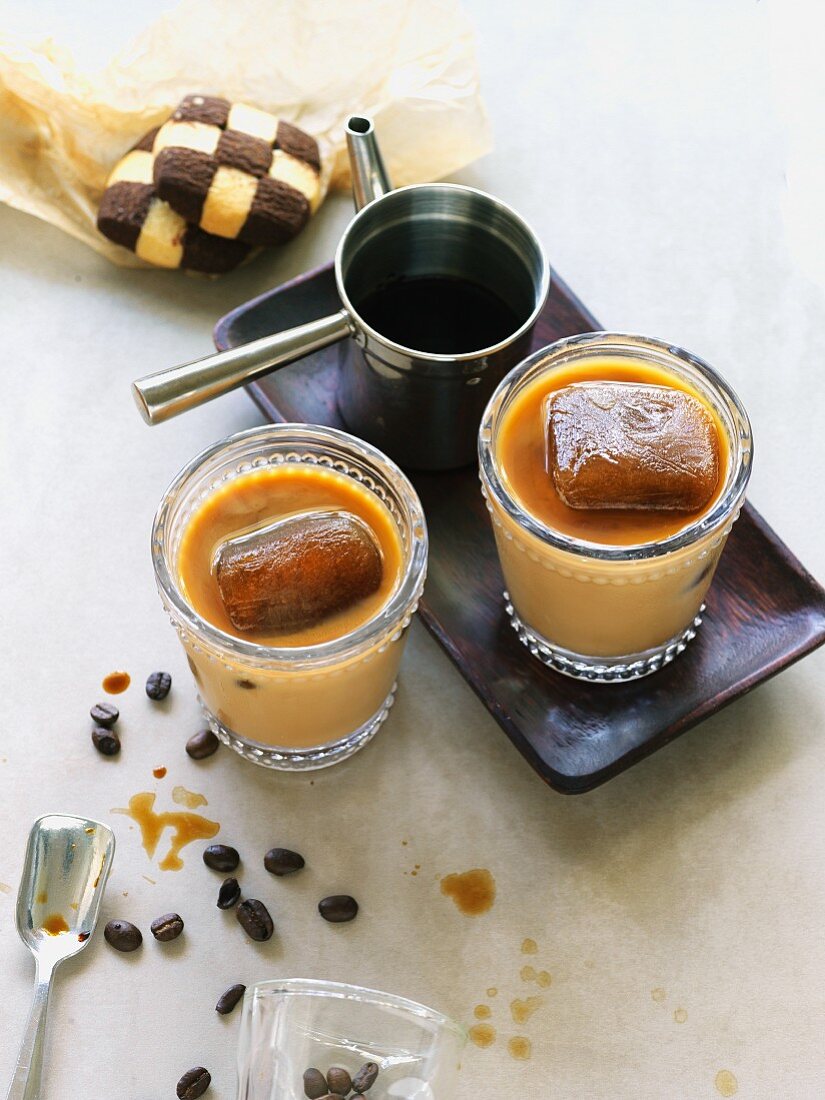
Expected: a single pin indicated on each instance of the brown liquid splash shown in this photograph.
(520, 1048)
(186, 828)
(116, 682)
(190, 799)
(159, 773)
(473, 892)
(522, 1010)
(482, 1035)
(55, 925)
(726, 1084)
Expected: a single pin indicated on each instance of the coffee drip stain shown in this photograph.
(42, 898)
(540, 977)
(482, 1012)
(473, 892)
(522, 1010)
(658, 994)
(492, 991)
(520, 1048)
(190, 799)
(482, 1035)
(680, 1015)
(55, 925)
(186, 827)
(726, 1084)
(116, 682)
(5, 888)
(529, 947)
(159, 773)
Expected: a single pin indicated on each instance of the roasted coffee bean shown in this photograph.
(228, 999)
(202, 744)
(168, 927)
(194, 1083)
(122, 935)
(105, 741)
(253, 916)
(339, 1081)
(365, 1078)
(338, 909)
(280, 861)
(220, 857)
(229, 893)
(157, 687)
(315, 1084)
(104, 714)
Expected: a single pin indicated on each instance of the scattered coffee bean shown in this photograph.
(253, 916)
(315, 1084)
(168, 927)
(122, 935)
(365, 1078)
(228, 1000)
(220, 857)
(157, 687)
(105, 741)
(202, 744)
(338, 909)
(194, 1083)
(104, 714)
(339, 1081)
(229, 893)
(280, 861)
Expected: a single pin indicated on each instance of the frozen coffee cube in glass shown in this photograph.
(623, 445)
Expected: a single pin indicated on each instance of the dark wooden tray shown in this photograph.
(764, 611)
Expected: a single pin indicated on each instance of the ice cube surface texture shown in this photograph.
(297, 571)
(629, 445)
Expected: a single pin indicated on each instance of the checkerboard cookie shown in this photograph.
(236, 171)
(133, 215)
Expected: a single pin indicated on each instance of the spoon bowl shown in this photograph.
(68, 860)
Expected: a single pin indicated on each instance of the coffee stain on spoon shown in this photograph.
(186, 827)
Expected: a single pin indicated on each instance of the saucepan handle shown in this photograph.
(169, 392)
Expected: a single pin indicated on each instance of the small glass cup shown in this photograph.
(293, 708)
(610, 613)
(292, 1024)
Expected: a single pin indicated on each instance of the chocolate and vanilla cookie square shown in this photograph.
(236, 171)
(133, 215)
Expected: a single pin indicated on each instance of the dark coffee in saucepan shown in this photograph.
(439, 314)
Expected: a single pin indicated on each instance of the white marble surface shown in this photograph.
(667, 154)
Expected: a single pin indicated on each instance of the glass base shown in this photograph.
(300, 760)
(601, 670)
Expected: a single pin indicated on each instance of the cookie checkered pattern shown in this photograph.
(133, 215)
(236, 171)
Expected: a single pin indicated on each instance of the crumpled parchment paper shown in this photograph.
(409, 63)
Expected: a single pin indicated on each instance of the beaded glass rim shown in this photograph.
(337, 449)
(648, 349)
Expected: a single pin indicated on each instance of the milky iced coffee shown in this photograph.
(290, 559)
(613, 467)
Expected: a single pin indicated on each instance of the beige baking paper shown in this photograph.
(409, 63)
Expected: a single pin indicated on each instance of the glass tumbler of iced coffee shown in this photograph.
(613, 467)
(290, 559)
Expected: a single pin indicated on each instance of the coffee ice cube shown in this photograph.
(297, 571)
(629, 445)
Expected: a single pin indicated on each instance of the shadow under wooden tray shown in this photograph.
(764, 610)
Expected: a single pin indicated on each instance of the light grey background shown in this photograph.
(668, 155)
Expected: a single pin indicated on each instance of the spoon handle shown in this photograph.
(25, 1084)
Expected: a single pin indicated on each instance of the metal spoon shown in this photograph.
(68, 860)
